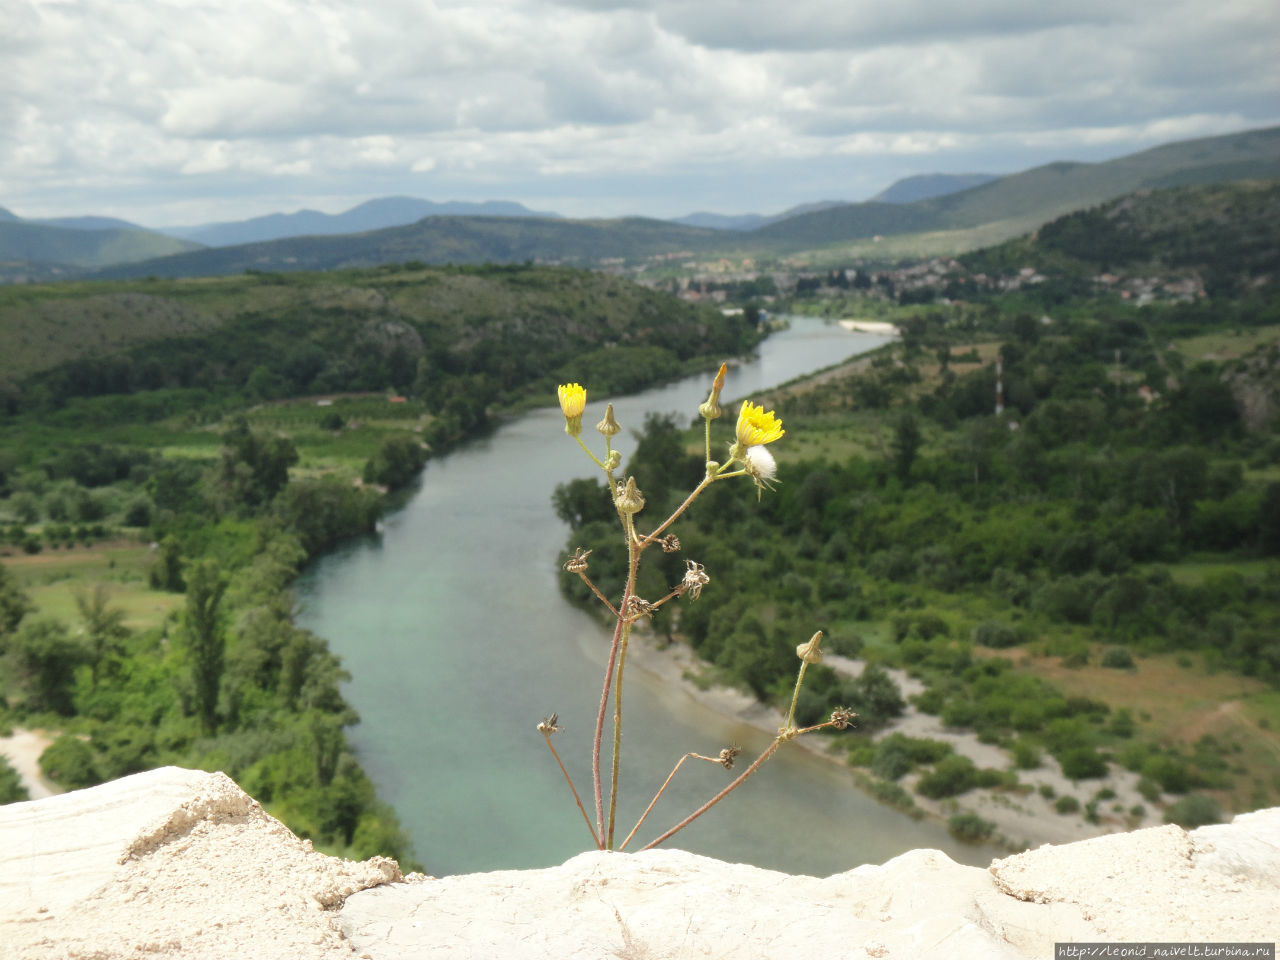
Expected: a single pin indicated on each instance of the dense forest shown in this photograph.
(157, 502)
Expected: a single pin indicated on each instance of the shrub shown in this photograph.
(1066, 804)
(952, 775)
(1026, 755)
(1047, 791)
(1149, 789)
(68, 761)
(970, 827)
(11, 788)
(993, 633)
(1193, 810)
(1118, 658)
(1082, 763)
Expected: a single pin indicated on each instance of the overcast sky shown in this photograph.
(170, 112)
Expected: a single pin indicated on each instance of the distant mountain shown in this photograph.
(751, 221)
(443, 240)
(1021, 202)
(8, 216)
(374, 214)
(34, 250)
(978, 216)
(721, 221)
(926, 185)
(88, 223)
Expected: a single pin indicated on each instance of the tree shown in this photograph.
(254, 467)
(906, 443)
(14, 603)
(166, 568)
(48, 655)
(206, 639)
(103, 625)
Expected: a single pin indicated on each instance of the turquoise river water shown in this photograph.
(458, 642)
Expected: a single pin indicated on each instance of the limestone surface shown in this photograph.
(181, 863)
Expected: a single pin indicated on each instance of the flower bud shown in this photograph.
(609, 426)
(710, 409)
(811, 652)
(613, 461)
(628, 499)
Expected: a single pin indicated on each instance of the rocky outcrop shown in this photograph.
(182, 863)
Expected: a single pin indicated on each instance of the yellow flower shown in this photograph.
(757, 426)
(573, 400)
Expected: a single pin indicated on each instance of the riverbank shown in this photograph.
(1023, 818)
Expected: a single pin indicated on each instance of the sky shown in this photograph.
(179, 112)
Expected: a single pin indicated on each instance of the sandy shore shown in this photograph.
(22, 749)
(1023, 819)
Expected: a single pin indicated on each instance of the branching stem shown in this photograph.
(569, 780)
(656, 796)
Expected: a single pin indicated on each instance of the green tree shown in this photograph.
(206, 638)
(14, 603)
(166, 568)
(906, 443)
(47, 656)
(103, 625)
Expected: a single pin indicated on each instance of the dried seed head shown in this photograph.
(811, 652)
(609, 425)
(727, 756)
(695, 578)
(638, 607)
(628, 498)
(670, 543)
(578, 562)
(548, 725)
(842, 717)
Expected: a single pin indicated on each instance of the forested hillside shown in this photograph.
(195, 442)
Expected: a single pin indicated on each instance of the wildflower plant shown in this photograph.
(747, 456)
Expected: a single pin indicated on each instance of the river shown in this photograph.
(458, 642)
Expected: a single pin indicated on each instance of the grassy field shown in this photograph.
(54, 578)
(1227, 346)
(1177, 704)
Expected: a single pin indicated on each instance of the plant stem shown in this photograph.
(679, 510)
(604, 705)
(596, 590)
(617, 732)
(795, 695)
(654, 801)
(719, 796)
(569, 780)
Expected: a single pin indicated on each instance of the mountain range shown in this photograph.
(954, 212)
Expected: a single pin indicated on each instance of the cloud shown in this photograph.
(609, 105)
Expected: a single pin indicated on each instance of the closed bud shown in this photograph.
(609, 425)
(628, 499)
(710, 409)
(811, 652)
(613, 461)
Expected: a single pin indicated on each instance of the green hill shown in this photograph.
(338, 331)
(1021, 202)
(73, 250)
(1229, 234)
(443, 240)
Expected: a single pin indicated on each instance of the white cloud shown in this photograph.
(610, 106)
